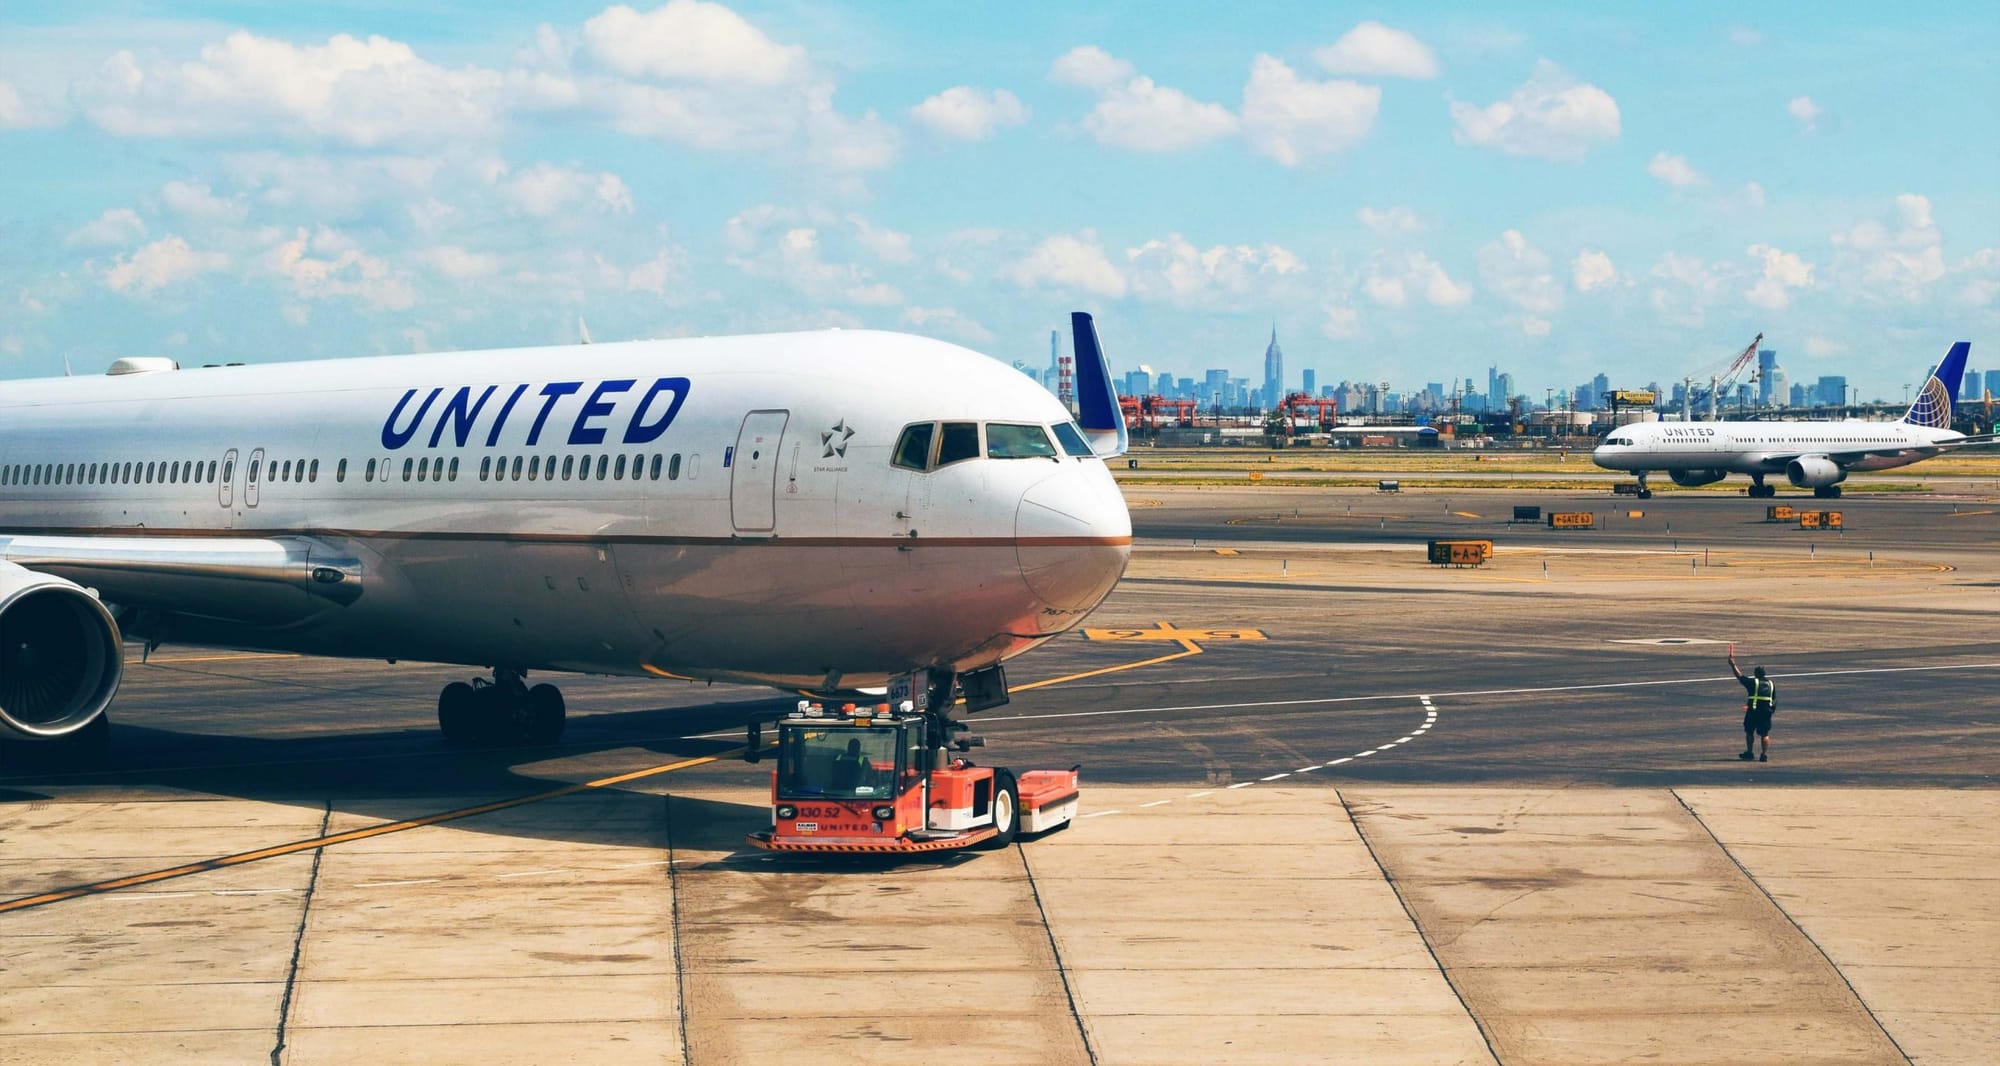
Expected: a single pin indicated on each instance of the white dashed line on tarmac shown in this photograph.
(399, 884)
(1156, 803)
(1100, 814)
(1307, 769)
(1242, 784)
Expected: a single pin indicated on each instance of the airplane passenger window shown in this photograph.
(1008, 441)
(149, 473)
(568, 461)
(913, 448)
(423, 469)
(960, 441)
(368, 472)
(603, 464)
(485, 467)
(453, 472)
(409, 467)
(1072, 440)
(312, 472)
(69, 478)
(656, 467)
(534, 467)
(339, 472)
(618, 471)
(517, 468)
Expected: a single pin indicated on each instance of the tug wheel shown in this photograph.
(1006, 810)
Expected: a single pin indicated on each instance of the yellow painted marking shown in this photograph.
(239, 859)
(222, 658)
(1227, 551)
(657, 672)
(1968, 514)
(1169, 632)
(1465, 514)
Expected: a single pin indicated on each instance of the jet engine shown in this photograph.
(61, 657)
(1814, 472)
(1688, 479)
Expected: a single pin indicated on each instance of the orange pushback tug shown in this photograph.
(869, 782)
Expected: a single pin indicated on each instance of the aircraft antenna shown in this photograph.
(582, 330)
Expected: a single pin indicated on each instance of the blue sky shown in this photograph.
(1410, 194)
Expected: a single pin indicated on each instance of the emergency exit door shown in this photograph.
(753, 472)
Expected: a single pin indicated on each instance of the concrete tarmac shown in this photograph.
(1340, 805)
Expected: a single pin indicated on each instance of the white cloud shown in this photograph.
(19, 113)
(1392, 280)
(1753, 194)
(888, 245)
(1533, 326)
(766, 242)
(656, 273)
(117, 226)
(1819, 347)
(1089, 67)
(1902, 261)
(363, 93)
(1675, 171)
(1072, 263)
(840, 143)
(1684, 288)
(545, 189)
(1518, 272)
(1374, 50)
(1552, 116)
(693, 41)
(1593, 270)
(454, 262)
(970, 114)
(1176, 271)
(167, 261)
(1287, 118)
(1342, 323)
(1390, 220)
(1807, 112)
(1143, 117)
(196, 201)
(327, 264)
(947, 320)
(1782, 272)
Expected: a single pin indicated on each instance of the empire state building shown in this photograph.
(1274, 371)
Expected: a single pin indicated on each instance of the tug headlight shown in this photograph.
(884, 813)
(786, 810)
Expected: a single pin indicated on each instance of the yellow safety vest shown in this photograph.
(1763, 693)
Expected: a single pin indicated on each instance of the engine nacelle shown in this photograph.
(61, 657)
(1688, 479)
(1814, 472)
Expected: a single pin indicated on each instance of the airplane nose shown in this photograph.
(1073, 536)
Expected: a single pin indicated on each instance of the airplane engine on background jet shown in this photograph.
(61, 657)
(1814, 472)
(1688, 479)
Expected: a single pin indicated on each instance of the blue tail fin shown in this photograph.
(1096, 399)
(1934, 404)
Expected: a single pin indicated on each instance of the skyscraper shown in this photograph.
(1274, 371)
(1312, 382)
(1993, 382)
(1767, 361)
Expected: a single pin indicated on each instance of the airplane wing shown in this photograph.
(1098, 414)
(263, 581)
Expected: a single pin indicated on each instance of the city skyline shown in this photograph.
(1561, 192)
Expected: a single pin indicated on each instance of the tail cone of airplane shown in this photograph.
(1073, 536)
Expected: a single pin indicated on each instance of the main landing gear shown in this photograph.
(501, 711)
(1644, 493)
(1759, 490)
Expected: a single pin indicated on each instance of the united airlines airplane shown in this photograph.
(1814, 455)
(817, 510)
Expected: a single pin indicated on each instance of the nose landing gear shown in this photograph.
(501, 711)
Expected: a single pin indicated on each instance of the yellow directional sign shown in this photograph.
(1171, 633)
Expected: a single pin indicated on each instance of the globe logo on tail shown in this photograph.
(1933, 406)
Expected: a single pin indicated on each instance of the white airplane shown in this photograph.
(818, 510)
(1814, 455)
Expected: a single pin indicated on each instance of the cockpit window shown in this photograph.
(1072, 440)
(960, 441)
(913, 448)
(1007, 441)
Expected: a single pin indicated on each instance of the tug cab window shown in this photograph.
(913, 448)
(1008, 441)
(960, 440)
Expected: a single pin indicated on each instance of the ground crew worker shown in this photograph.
(1757, 708)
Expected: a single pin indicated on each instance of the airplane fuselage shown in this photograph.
(1763, 447)
(726, 508)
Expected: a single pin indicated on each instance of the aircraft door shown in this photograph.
(252, 477)
(225, 486)
(753, 472)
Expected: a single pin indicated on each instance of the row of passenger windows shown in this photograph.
(642, 466)
(929, 445)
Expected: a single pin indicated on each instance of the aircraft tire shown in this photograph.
(458, 713)
(1645, 494)
(1006, 811)
(546, 715)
